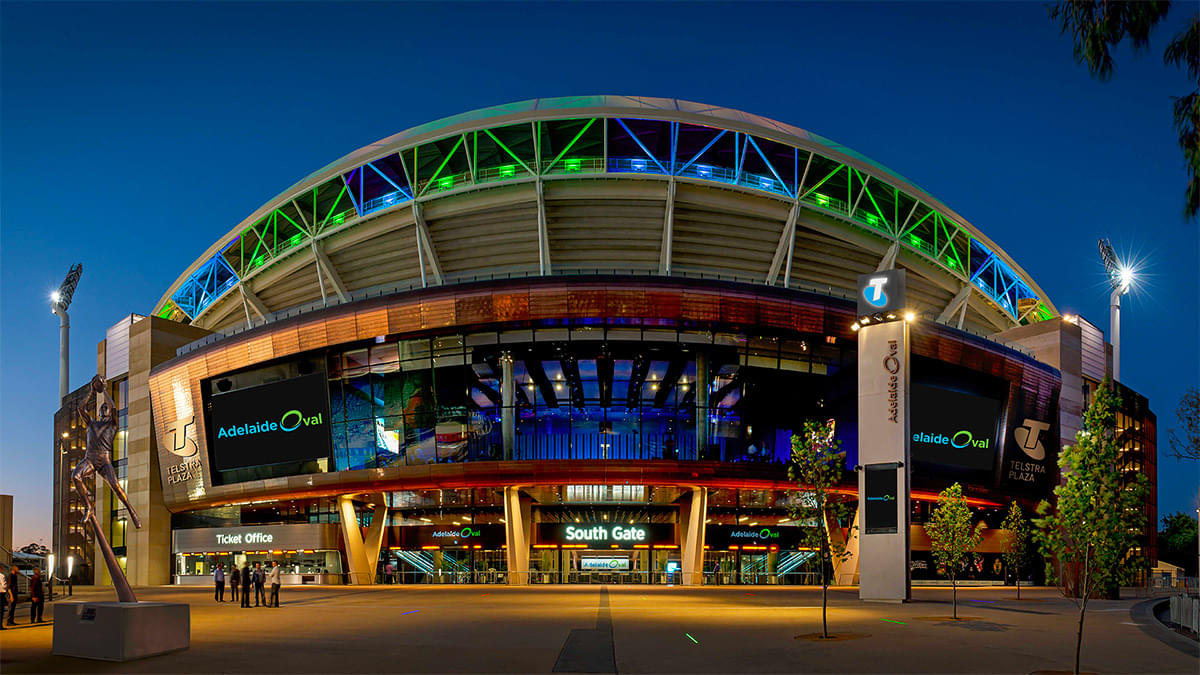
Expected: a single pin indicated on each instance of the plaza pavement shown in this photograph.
(630, 629)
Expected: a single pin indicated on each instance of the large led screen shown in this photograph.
(954, 429)
(286, 421)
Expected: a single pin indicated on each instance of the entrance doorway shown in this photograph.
(564, 565)
(755, 567)
(443, 566)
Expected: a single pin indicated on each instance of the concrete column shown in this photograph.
(701, 403)
(362, 553)
(693, 511)
(508, 419)
(517, 530)
(883, 428)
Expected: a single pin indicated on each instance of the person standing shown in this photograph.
(4, 597)
(14, 589)
(36, 598)
(245, 584)
(219, 582)
(233, 582)
(273, 577)
(259, 580)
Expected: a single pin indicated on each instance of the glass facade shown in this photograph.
(118, 521)
(578, 392)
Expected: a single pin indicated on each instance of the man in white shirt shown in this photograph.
(4, 596)
(273, 579)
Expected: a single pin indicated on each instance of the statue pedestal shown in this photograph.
(120, 631)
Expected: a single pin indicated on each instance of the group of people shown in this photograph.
(246, 578)
(10, 595)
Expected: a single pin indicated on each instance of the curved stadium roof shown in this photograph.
(597, 185)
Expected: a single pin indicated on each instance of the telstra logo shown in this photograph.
(181, 444)
(290, 421)
(873, 292)
(1029, 437)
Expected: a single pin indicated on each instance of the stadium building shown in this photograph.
(568, 341)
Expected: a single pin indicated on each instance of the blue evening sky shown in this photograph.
(136, 134)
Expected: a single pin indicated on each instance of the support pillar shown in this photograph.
(517, 530)
(845, 572)
(693, 511)
(508, 411)
(702, 382)
(362, 552)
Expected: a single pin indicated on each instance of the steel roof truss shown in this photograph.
(770, 166)
(637, 140)
(706, 148)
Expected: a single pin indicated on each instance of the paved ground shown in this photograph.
(436, 629)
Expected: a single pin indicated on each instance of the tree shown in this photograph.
(1016, 541)
(1097, 26)
(1187, 445)
(1089, 534)
(952, 540)
(817, 466)
(1177, 541)
(34, 549)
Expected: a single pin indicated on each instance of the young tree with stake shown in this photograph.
(817, 466)
(1016, 542)
(952, 540)
(1088, 535)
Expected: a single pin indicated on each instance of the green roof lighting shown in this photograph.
(339, 219)
(508, 171)
(295, 239)
(573, 164)
(916, 241)
(951, 264)
(821, 199)
(872, 219)
(445, 183)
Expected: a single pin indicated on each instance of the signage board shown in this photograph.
(1031, 443)
(883, 440)
(604, 564)
(489, 535)
(723, 536)
(286, 421)
(879, 512)
(314, 536)
(607, 535)
(954, 429)
(881, 292)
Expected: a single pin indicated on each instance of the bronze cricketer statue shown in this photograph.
(97, 459)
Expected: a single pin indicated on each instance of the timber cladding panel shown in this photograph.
(704, 305)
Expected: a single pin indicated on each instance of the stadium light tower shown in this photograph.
(1120, 277)
(60, 300)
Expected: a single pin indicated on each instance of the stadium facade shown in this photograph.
(569, 340)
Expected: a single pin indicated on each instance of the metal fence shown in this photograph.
(1185, 612)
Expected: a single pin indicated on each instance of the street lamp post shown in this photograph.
(1120, 277)
(60, 300)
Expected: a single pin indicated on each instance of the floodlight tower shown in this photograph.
(1120, 277)
(60, 300)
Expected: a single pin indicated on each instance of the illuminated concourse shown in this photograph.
(568, 341)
